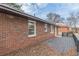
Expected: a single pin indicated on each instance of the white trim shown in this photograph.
(34, 29)
(55, 31)
(52, 29)
(46, 28)
(31, 35)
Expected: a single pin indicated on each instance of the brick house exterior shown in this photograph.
(14, 30)
(62, 28)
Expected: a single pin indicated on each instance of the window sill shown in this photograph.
(51, 32)
(31, 35)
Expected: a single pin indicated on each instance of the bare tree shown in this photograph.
(34, 7)
(49, 16)
(16, 6)
(73, 20)
(54, 18)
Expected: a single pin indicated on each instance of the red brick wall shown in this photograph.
(63, 29)
(14, 33)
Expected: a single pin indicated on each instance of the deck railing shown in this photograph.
(70, 34)
(76, 41)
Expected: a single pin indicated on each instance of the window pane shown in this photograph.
(31, 23)
(31, 32)
(31, 28)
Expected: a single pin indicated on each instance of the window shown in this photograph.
(45, 27)
(31, 28)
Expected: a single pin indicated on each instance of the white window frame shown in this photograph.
(51, 29)
(34, 28)
(46, 28)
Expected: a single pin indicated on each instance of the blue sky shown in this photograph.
(63, 9)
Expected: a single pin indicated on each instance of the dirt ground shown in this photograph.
(37, 50)
(54, 47)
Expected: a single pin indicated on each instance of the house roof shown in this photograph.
(9, 10)
(61, 25)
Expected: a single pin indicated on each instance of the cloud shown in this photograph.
(42, 5)
(43, 15)
(28, 8)
(72, 6)
(66, 8)
(63, 9)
